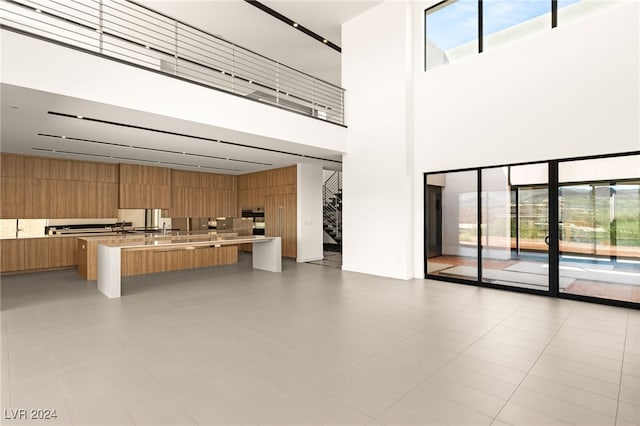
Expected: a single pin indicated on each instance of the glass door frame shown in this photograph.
(554, 234)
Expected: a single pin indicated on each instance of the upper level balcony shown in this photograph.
(136, 35)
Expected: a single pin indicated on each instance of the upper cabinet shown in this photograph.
(44, 188)
(203, 194)
(144, 187)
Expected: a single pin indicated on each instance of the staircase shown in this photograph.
(332, 208)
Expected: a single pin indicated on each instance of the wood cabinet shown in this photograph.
(63, 251)
(86, 199)
(11, 197)
(36, 253)
(107, 173)
(203, 194)
(12, 255)
(62, 199)
(85, 171)
(36, 168)
(40, 188)
(36, 199)
(107, 200)
(276, 192)
(62, 169)
(136, 262)
(144, 187)
(11, 165)
(280, 221)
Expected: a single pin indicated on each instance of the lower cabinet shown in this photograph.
(63, 251)
(12, 255)
(38, 253)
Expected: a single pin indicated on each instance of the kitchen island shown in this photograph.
(135, 257)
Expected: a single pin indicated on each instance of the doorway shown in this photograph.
(434, 221)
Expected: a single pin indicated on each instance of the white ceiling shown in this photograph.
(243, 24)
(26, 117)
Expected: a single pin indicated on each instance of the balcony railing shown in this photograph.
(135, 34)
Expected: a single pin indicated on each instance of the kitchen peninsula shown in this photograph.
(117, 258)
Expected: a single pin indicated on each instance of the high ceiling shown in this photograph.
(28, 127)
(239, 22)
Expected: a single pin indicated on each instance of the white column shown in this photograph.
(267, 255)
(109, 282)
(309, 212)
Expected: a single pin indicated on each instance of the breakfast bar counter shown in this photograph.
(117, 258)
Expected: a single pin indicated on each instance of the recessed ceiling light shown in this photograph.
(63, 137)
(325, 40)
(38, 11)
(79, 116)
(147, 47)
(295, 24)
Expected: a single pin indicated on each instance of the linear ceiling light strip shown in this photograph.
(186, 135)
(164, 151)
(294, 24)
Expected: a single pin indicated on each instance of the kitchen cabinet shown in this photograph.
(12, 255)
(86, 199)
(11, 165)
(107, 173)
(107, 200)
(63, 251)
(62, 199)
(36, 168)
(11, 197)
(36, 199)
(36, 253)
(144, 187)
(62, 169)
(203, 194)
(280, 221)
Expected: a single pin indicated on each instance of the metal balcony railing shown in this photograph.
(135, 34)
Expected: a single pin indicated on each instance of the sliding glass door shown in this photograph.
(569, 228)
(515, 226)
(599, 211)
(452, 225)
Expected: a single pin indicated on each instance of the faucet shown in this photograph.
(164, 228)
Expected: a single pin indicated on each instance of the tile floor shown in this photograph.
(333, 259)
(312, 345)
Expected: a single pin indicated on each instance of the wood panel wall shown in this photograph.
(275, 191)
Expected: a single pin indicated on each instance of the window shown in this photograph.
(455, 29)
(451, 32)
(507, 20)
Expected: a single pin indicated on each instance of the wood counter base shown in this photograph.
(116, 259)
(138, 262)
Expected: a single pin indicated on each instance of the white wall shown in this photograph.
(36, 64)
(568, 92)
(565, 92)
(377, 179)
(309, 216)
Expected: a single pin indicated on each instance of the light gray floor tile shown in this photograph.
(311, 346)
